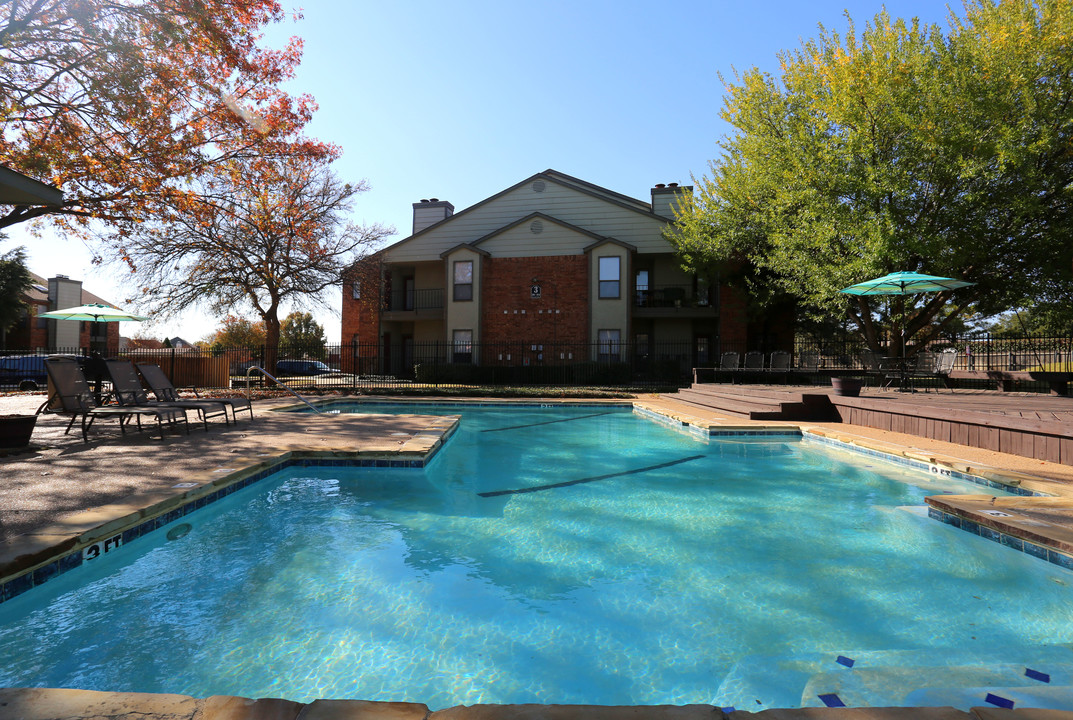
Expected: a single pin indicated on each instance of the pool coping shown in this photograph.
(52, 703)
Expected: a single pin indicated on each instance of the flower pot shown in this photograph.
(847, 387)
(15, 430)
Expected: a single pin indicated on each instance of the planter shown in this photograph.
(847, 387)
(15, 430)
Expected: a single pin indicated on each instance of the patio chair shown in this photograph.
(164, 390)
(779, 365)
(754, 360)
(70, 394)
(128, 392)
(728, 362)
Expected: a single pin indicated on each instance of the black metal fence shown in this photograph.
(607, 364)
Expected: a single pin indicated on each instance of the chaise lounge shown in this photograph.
(165, 391)
(70, 394)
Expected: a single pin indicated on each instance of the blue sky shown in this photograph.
(460, 100)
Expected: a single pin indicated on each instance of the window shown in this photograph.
(642, 288)
(462, 342)
(610, 277)
(607, 345)
(463, 280)
(355, 289)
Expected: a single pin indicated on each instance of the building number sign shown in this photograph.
(534, 292)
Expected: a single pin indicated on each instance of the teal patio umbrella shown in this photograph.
(93, 312)
(904, 283)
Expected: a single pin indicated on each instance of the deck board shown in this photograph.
(1027, 424)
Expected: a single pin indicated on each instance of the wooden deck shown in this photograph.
(1026, 424)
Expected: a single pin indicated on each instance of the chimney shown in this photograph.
(429, 212)
(665, 197)
(63, 292)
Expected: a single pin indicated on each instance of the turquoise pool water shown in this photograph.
(577, 555)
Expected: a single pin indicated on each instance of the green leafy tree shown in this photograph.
(15, 282)
(240, 333)
(901, 148)
(301, 333)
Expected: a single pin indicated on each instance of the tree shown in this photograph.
(262, 232)
(239, 333)
(120, 103)
(302, 333)
(15, 282)
(902, 149)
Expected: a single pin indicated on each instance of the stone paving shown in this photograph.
(64, 491)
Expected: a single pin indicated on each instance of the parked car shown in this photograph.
(27, 372)
(301, 367)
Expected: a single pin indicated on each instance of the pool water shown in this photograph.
(577, 555)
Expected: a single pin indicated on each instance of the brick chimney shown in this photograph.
(665, 196)
(430, 212)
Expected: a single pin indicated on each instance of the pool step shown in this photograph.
(898, 678)
(756, 403)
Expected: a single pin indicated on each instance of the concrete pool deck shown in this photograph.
(64, 492)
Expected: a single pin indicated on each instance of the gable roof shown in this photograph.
(549, 175)
(542, 216)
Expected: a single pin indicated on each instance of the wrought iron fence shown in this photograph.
(618, 364)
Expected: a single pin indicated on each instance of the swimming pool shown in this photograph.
(562, 555)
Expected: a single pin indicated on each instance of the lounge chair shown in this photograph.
(164, 390)
(780, 364)
(128, 392)
(754, 360)
(728, 361)
(70, 395)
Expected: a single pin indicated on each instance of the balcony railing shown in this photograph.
(403, 300)
(672, 296)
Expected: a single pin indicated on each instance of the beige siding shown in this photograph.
(553, 240)
(609, 314)
(567, 204)
(463, 315)
(429, 275)
(667, 270)
(428, 331)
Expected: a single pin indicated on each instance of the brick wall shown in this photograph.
(505, 286)
(361, 316)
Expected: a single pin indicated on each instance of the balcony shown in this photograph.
(675, 301)
(413, 305)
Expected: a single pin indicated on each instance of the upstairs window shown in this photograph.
(610, 277)
(355, 289)
(463, 285)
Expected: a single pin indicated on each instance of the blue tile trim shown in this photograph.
(1015, 543)
(38, 576)
(831, 700)
(999, 701)
(926, 467)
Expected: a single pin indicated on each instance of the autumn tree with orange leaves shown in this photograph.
(121, 103)
(262, 233)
